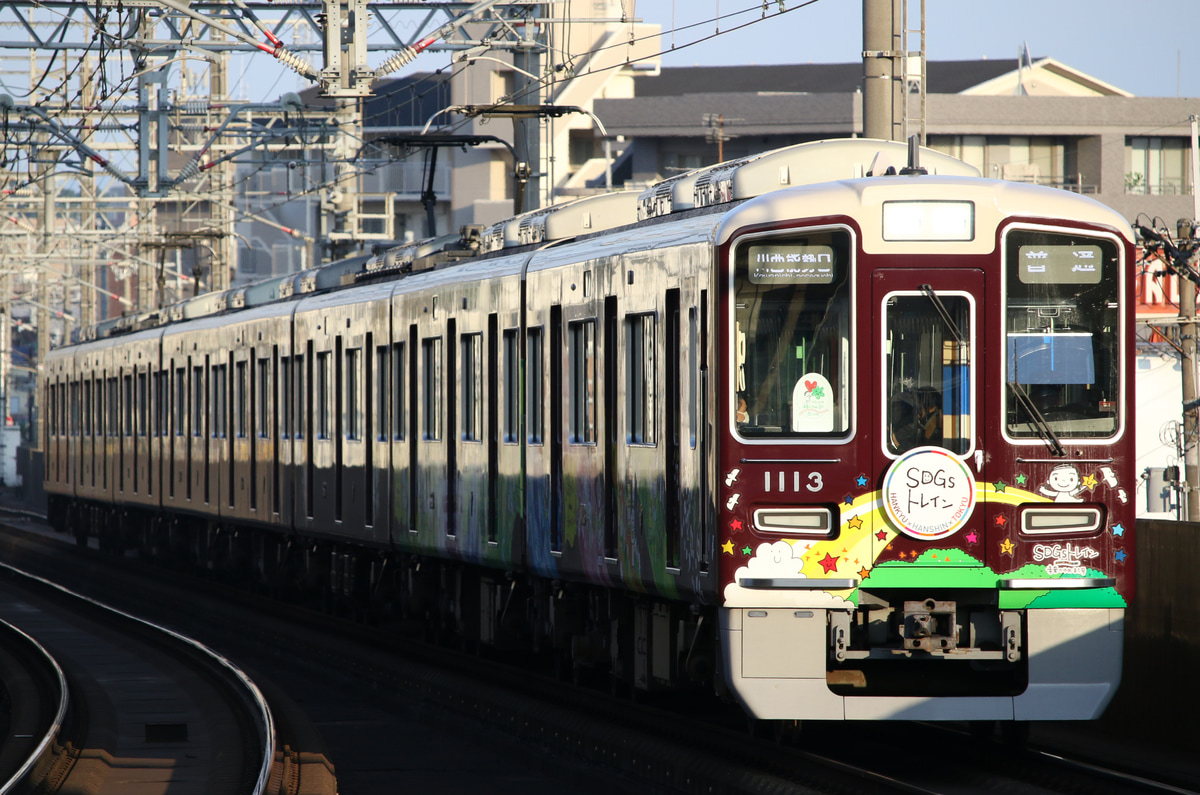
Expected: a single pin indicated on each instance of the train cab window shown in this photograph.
(792, 336)
(927, 371)
(1062, 335)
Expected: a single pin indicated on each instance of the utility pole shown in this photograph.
(880, 49)
(1187, 331)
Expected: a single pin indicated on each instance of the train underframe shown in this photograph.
(639, 643)
(892, 656)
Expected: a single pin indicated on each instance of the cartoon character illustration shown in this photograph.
(1063, 484)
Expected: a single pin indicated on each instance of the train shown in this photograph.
(842, 431)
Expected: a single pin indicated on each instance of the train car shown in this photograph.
(840, 430)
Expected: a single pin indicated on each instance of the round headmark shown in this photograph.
(928, 493)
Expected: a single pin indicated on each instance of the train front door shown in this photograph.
(928, 386)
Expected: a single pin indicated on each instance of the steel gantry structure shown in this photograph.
(120, 156)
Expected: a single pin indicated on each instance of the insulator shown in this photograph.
(397, 61)
(190, 169)
(297, 63)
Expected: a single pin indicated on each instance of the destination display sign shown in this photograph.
(1059, 264)
(787, 263)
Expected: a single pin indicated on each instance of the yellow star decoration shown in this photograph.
(727, 547)
(855, 524)
(1089, 481)
(1007, 547)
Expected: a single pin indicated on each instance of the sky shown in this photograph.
(1146, 47)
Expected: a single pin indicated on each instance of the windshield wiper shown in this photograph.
(1039, 421)
(945, 313)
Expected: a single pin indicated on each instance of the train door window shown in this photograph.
(1063, 340)
(791, 336)
(535, 367)
(113, 405)
(581, 360)
(640, 377)
(693, 377)
(431, 374)
(180, 400)
(512, 405)
(76, 423)
(353, 374)
(321, 395)
(262, 397)
(399, 392)
(220, 401)
(472, 387)
(285, 397)
(381, 393)
(927, 370)
(127, 405)
(163, 395)
(87, 407)
(197, 401)
(143, 404)
(300, 418)
(241, 409)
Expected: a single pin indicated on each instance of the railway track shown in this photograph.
(670, 745)
(144, 704)
(33, 705)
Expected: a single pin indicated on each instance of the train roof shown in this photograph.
(761, 184)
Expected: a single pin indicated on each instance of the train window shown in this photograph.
(180, 400)
(535, 367)
(285, 397)
(321, 395)
(197, 401)
(220, 400)
(639, 379)
(693, 376)
(127, 405)
(381, 393)
(242, 400)
(581, 357)
(354, 417)
(113, 416)
(927, 371)
(143, 404)
(1062, 335)
(299, 419)
(431, 372)
(262, 395)
(512, 406)
(472, 387)
(87, 407)
(76, 423)
(399, 392)
(792, 322)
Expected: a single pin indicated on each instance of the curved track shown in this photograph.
(147, 704)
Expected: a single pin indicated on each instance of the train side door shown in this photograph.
(929, 395)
